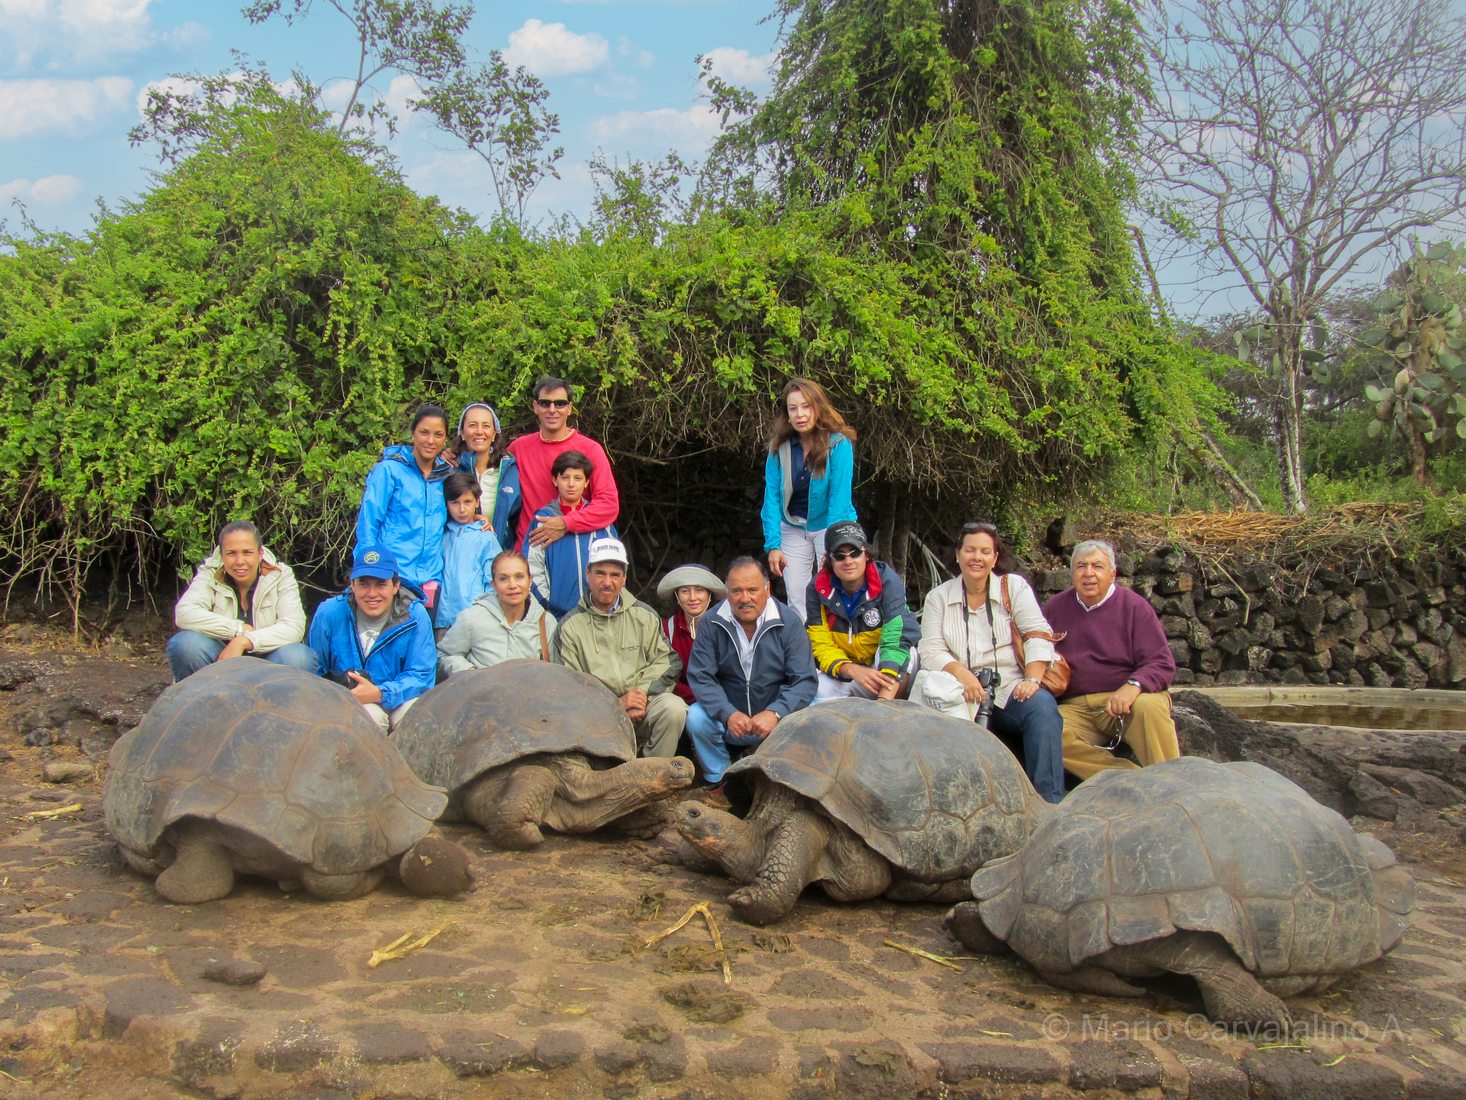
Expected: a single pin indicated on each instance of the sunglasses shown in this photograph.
(553, 403)
(975, 528)
(845, 555)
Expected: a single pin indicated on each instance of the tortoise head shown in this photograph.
(436, 868)
(715, 834)
(674, 774)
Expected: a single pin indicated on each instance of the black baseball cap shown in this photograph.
(845, 533)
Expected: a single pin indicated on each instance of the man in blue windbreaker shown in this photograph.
(376, 639)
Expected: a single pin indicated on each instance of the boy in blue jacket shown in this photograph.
(376, 639)
(557, 570)
(469, 550)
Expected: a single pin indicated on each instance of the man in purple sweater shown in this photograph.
(1122, 666)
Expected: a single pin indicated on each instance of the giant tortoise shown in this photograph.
(866, 797)
(1228, 873)
(525, 744)
(254, 768)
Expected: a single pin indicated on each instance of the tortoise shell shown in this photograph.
(1190, 844)
(483, 718)
(935, 795)
(277, 753)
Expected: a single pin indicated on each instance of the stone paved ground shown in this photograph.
(541, 985)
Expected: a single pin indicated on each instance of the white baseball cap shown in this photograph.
(608, 550)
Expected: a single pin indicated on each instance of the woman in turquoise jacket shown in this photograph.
(402, 508)
(807, 480)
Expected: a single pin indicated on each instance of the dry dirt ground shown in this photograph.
(542, 981)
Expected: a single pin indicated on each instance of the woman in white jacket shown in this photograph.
(967, 628)
(500, 625)
(241, 602)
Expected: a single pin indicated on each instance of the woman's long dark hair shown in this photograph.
(827, 419)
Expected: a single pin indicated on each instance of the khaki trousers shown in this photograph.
(658, 733)
(1149, 731)
(387, 722)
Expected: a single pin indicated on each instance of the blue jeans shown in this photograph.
(189, 651)
(710, 741)
(1036, 722)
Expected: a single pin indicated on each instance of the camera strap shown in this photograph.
(967, 630)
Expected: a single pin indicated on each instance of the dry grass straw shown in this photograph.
(1341, 533)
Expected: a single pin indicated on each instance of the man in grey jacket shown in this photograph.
(750, 667)
(619, 640)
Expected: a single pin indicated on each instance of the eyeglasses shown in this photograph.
(845, 555)
(553, 403)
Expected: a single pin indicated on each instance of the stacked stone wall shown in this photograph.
(1389, 623)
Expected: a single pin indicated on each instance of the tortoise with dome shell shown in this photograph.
(1227, 873)
(865, 798)
(248, 767)
(526, 745)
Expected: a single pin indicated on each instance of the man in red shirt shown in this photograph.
(535, 453)
(1121, 665)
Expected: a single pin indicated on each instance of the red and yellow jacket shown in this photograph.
(881, 633)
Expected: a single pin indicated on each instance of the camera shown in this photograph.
(989, 679)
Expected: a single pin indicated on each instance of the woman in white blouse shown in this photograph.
(966, 626)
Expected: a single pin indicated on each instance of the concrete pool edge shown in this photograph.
(1279, 695)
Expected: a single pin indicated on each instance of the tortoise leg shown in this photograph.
(1231, 994)
(852, 871)
(510, 808)
(789, 866)
(201, 868)
(964, 921)
(339, 887)
(1093, 979)
(941, 893)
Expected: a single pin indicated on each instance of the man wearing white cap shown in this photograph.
(618, 640)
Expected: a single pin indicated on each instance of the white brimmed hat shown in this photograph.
(607, 550)
(685, 576)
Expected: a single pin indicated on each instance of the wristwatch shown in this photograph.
(1133, 683)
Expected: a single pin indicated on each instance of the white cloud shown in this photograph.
(550, 49)
(123, 22)
(48, 191)
(741, 68)
(644, 59)
(399, 92)
(185, 36)
(694, 127)
(55, 189)
(616, 86)
(30, 107)
(22, 9)
(54, 34)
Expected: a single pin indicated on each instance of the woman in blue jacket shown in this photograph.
(402, 508)
(807, 480)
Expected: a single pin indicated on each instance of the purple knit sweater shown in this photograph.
(1122, 640)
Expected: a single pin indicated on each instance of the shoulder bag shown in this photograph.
(1056, 676)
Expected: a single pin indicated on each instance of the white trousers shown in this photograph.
(803, 551)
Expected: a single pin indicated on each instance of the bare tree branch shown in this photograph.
(1308, 136)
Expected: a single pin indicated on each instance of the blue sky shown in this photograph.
(622, 77)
